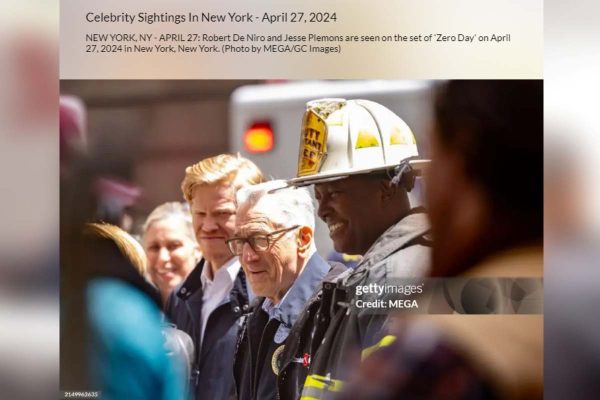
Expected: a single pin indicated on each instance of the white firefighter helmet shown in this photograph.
(346, 137)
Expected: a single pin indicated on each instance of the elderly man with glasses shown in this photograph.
(274, 241)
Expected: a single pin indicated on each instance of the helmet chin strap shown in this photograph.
(404, 174)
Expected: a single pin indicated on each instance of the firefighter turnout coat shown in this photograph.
(403, 251)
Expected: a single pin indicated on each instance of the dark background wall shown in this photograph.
(149, 131)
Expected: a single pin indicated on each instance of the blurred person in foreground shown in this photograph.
(362, 159)
(208, 305)
(110, 320)
(128, 358)
(485, 196)
(274, 240)
(170, 246)
(113, 338)
(571, 354)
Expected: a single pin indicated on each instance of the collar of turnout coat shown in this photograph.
(409, 229)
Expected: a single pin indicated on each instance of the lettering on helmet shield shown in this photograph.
(313, 147)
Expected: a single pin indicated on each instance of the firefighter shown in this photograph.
(363, 160)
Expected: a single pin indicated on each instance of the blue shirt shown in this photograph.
(127, 355)
(294, 300)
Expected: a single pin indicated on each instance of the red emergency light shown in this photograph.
(259, 138)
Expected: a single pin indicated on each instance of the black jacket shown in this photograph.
(258, 359)
(351, 334)
(212, 372)
(305, 337)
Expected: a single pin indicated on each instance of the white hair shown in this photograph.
(294, 205)
(175, 210)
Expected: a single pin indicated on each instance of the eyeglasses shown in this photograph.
(257, 242)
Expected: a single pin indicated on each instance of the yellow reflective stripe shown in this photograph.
(336, 386)
(308, 398)
(323, 383)
(314, 382)
(384, 342)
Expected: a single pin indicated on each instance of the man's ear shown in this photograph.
(305, 237)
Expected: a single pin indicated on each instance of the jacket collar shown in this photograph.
(193, 284)
(397, 237)
(288, 310)
(240, 295)
(228, 272)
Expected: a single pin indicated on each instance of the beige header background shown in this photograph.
(522, 57)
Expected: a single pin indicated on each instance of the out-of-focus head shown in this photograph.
(485, 182)
(210, 187)
(73, 137)
(359, 209)
(273, 236)
(127, 245)
(170, 245)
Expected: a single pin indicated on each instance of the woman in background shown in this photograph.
(127, 245)
(170, 246)
(126, 348)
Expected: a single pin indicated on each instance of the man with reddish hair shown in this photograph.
(209, 303)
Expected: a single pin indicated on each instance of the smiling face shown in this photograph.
(171, 253)
(213, 217)
(272, 272)
(353, 211)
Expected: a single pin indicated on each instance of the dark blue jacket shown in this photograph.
(258, 358)
(212, 372)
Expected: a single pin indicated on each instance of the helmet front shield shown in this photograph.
(313, 144)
